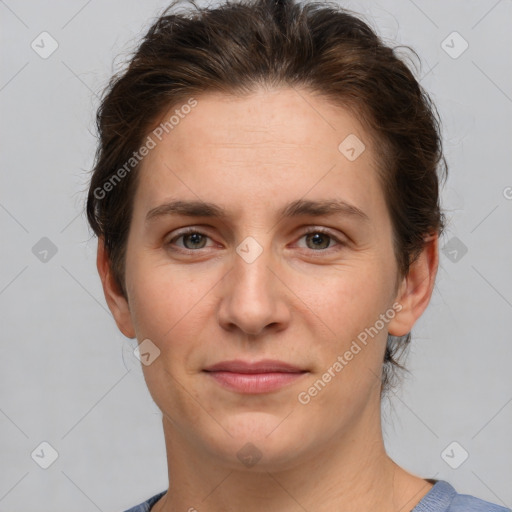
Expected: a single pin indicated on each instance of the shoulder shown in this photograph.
(444, 498)
(466, 503)
(145, 506)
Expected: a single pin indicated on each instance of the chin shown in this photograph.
(260, 442)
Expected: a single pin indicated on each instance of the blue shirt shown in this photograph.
(441, 498)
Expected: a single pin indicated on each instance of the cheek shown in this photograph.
(169, 306)
(352, 349)
(153, 299)
(346, 309)
(345, 301)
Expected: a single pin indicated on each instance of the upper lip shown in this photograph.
(264, 366)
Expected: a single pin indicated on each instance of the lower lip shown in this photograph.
(255, 382)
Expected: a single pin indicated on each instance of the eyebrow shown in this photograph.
(300, 207)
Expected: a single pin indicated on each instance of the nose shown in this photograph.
(253, 296)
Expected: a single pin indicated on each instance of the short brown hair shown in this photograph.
(235, 48)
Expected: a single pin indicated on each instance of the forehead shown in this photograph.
(275, 145)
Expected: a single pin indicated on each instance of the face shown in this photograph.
(262, 275)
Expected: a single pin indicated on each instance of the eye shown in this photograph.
(192, 240)
(318, 239)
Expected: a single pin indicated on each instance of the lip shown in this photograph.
(263, 366)
(254, 377)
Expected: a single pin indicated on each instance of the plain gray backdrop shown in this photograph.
(69, 378)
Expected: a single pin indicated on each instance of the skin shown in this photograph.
(296, 303)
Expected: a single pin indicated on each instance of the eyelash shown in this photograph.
(190, 231)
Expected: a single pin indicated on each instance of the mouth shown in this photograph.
(254, 377)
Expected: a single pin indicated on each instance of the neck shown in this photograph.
(350, 472)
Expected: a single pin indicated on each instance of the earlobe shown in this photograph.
(416, 288)
(116, 301)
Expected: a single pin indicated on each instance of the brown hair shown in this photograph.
(239, 46)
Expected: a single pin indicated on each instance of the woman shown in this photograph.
(266, 201)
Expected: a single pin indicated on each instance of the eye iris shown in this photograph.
(197, 238)
(317, 239)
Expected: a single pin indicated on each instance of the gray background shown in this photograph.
(67, 376)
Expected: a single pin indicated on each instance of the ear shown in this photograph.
(416, 288)
(116, 301)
